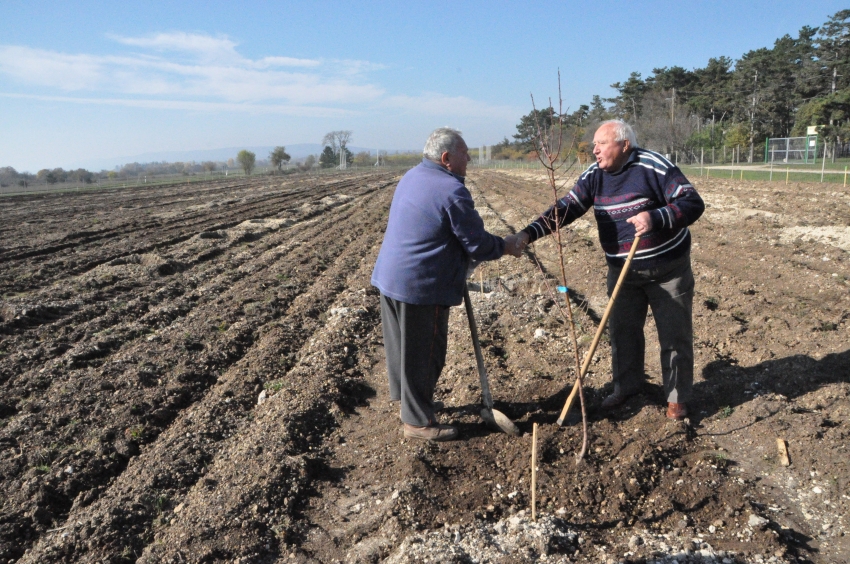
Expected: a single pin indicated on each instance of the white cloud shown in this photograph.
(218, 50)
(267, 62)
(206, 69)
(203, 47)
(300, 111)
(200, 72)
(47, 68)
(351, 67)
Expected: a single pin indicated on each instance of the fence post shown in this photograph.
(787, 171)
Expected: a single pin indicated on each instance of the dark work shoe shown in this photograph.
(436, 433)
(614, 400)
(677, 411)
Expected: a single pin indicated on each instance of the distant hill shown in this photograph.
(297, 152)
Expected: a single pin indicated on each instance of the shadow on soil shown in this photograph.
(729, 385)
(726, 385)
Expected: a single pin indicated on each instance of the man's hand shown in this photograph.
(515, 244)
(642, 223)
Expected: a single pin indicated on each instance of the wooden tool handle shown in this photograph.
(600, 330)
(479, 358)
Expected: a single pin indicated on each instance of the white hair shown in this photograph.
(622, 131)
(441, 140)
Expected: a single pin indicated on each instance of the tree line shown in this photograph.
(727, 105)
(336, 152)
(11, 177)
(245, 160)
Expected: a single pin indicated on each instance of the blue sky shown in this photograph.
(85, 80)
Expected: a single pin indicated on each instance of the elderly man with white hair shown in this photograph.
(633, 191)
(433, 235)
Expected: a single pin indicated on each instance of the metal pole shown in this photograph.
(823, 166)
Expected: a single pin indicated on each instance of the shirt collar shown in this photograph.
(428, 163)
(633, 158)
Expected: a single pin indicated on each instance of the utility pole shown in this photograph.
(672, 99)
(753, 116)
(672, 108)
(835, 76)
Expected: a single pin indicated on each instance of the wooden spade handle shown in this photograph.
(479, 358)
(599, 331)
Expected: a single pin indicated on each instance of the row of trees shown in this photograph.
(10, 177)
(336, 146)
(336, 152)
(278, 158)
(245, 160)
(776, 92)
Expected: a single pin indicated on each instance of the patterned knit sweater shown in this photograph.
(647, 182)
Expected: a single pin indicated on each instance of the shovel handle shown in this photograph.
(599, 331)
(479, 358)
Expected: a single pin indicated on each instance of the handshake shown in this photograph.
(516, 244)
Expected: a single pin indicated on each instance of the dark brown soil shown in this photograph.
(195, 374)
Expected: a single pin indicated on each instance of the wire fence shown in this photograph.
(836, 173)
(770, 173)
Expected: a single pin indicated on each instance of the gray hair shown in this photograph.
(441, 140)
(622, 131)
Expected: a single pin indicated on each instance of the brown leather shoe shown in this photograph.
(436, 433)
(677, 411)
(614, 400)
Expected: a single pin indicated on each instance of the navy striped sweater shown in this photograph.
(647, 182)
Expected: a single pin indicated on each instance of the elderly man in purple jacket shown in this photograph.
(433, 235)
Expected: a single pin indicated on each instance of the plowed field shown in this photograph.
(195, 374)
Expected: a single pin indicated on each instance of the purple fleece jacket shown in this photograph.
(432, 234)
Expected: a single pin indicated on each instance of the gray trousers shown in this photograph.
(669, 291)
(415, 340)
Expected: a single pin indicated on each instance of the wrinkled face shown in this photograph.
(456, 162)
(610, 155)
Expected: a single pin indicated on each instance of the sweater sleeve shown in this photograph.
(565, 211)
(468, 227)
(684, 204)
